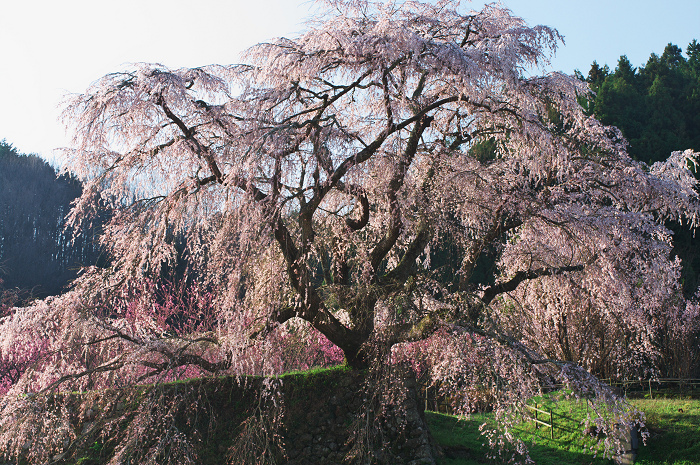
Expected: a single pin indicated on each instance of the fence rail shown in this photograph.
(680, 386)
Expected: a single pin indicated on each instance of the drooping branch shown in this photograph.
(493, 291)
(178, 360)
(407, 264)
(112, 365)
(189, 134)
(387, 242)
(361, 196)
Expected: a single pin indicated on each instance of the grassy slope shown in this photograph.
(674, 426)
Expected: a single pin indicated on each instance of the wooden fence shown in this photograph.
(539, 421)
(677, 386)
(434, 400)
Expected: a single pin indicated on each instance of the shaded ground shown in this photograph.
(674, 427)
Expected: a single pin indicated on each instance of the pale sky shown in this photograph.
(49, 48)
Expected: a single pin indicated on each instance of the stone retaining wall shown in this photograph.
(324, 425)
(325, 418)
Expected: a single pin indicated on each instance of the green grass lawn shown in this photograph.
(674, 427)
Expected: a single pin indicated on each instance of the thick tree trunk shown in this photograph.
(356, 359)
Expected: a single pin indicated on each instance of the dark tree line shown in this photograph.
(657, 108)
(37, 254)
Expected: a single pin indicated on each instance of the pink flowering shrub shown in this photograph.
(303, 347)
(15, 361)
(164, 307)
(16, 358)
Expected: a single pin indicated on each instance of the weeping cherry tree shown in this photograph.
(323, 182)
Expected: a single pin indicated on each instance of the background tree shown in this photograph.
(654, 106)
(319, 192)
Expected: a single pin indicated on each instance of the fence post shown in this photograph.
(537, 425)
(551, 421)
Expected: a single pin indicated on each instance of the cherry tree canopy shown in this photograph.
(320, 181)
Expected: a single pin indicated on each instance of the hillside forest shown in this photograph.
(38, 255)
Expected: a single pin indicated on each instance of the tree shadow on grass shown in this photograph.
(674, 439)
(461, 443)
